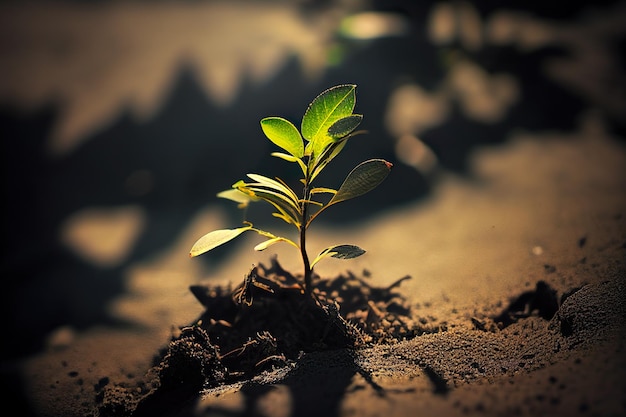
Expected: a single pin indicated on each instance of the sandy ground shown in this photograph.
(543, 201)
(539, 209)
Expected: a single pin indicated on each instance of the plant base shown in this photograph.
(266, 322)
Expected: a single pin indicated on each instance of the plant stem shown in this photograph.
(303, 227)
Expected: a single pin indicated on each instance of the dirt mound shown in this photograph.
(267, 321)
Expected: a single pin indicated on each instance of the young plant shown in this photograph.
(326, 126)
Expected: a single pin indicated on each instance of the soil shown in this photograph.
(267, 332)
(263, 329)
(267, 322)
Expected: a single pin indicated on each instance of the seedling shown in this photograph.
(326, 126)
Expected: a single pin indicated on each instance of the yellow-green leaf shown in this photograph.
(318, 190)
(264, 245)
(283, 134)
(237, 196)
(282, 188)
(285, 207)
(214, 239)
(329, 153)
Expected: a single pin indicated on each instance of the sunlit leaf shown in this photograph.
(329, 153)
(264, 245)
(274, 192)
(237, 196)
(283, 134)
(316, 203)
(362, 179)
(287, 219)
(340, 252)
(344, 126)
(318, 190)
(214, 239)
(264, 181)
(286, 208)
(265, 193)
(328, 107)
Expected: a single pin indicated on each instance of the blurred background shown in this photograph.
(121, 120)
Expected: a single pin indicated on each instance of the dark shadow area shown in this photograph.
(542, 302)
(440, 385)
(329, 382)
(12, 384)
(191, 149)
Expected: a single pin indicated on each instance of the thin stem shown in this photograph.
(303, 227)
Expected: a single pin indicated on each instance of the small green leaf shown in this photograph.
(264, 245)
(274, 192)
(315, 203)
(287, 211)
(340, 252)
(362, 179)
(318, 190)
(344, 126)
(214, 239)
(287, 218)
(269, 183)
(283, 134)
(237, 196)
(329, 153)
(344, 251)
(328, 107)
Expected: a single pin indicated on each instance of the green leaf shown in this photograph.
(340, 252)
(286, 209)
(315, 203)
(283, 134)
(264, 245)
(328, 107)
(287, 218)
(277, 193)
(269, 183)
(344, 126)
(214, 239)
(237, 196)
(329, 153)
(363, 178)
(318, 190)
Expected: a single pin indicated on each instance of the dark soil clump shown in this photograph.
(267, 321)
